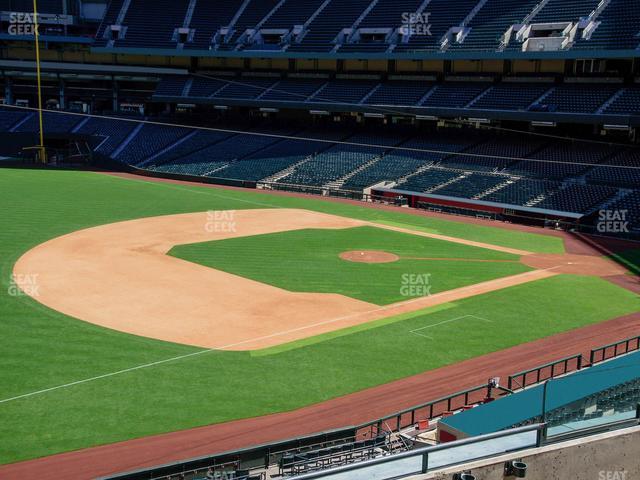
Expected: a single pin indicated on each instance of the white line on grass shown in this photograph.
(200, 352)
(214, 349)
(418, 330)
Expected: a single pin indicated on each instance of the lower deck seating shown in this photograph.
(149, 140)
(335, 162)
(9, 118)
(272, 160)
(576, 176)
(578, 198)
(428, 180)
(208, 160)
(392, 166)
(630, 204)
(195, 142)
(52, 123)
(522, 191)
(471, 185)
(109, 134)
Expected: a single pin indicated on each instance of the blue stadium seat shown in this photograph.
(207, 19)
(326, 26)
(156, 34)
(149, 140)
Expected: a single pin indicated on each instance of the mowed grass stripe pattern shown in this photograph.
(43, 348)
(308, 261)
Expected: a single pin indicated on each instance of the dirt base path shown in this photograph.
(575, 264)
(350, 409)
(119, 276)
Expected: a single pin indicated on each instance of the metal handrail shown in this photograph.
(563, 361)
(425, 451)
(627, 342)
(301, 463)
(465, 394)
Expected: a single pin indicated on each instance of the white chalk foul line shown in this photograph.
(188, 355)
(418, 330)
(214, 349)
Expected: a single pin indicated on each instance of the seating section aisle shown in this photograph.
(108, 134)
(153, 23)
(149, 140)
(325, 27)
(207, 19)
(335, 162)
(159, 32)
(52, 123)
(522, 191)
(254, 12)
(274, 159)
(207, 161)
(492, 21)
(618, 28)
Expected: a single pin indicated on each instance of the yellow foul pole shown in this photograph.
(41, 150)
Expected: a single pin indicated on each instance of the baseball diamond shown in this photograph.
(319, 239)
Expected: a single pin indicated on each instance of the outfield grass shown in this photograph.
(308, 261)
(42, 348)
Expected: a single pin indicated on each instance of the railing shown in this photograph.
(268, 455)
(298, 465)
(222, 470)
(614, 350)
(536, 375)
(460, 452)
(273, 457)
(440, 456)
(313, 190)
(426, 411)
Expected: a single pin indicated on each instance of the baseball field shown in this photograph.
(131, 307)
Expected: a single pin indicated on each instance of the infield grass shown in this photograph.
(42, 348)
(309, 261)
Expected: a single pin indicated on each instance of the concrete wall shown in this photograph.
(608, 456)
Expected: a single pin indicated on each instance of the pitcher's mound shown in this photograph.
(369, 256)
